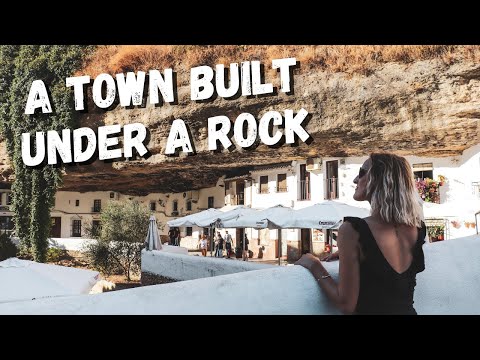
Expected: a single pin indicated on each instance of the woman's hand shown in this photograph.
(331, 257)
(308, 261)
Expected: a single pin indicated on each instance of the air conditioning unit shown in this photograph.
(114, 195)
(314, 165)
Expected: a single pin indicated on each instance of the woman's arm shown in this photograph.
(344, 294)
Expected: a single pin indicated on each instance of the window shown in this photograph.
(9, 198)
(206, 231)
(476, 189)
(112, 195)
(175, 205)
(77, 228)
(153, 206)
(77, 202)
(210, 202)
(282, 183)
(189, 205)
(423, 171)
(189, 231)
(97, 205)
(263, 184)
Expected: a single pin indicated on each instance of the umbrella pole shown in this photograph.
(279, 246)
(211, 240)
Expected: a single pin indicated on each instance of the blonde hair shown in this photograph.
(391, 190)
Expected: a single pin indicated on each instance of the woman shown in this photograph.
(381, 254)
(203, 245)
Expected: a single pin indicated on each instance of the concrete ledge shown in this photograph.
(173, 249)
(449, 285)
(277, 290)
(180, 267)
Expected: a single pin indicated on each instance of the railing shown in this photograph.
(238, 199)
(4, 208)
(96, 209)
(476, 189)
(281, 189)
(332, 188)
(304, 190)
(264, 190)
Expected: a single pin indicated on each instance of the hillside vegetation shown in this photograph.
(351, 59)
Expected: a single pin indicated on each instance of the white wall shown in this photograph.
(181, 267)
(449, 285)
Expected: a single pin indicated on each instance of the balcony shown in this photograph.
(332, 189)
(238, 199)
(264, 190)
(476, 189)
(304, 190)
(281, 189)
(96, 209)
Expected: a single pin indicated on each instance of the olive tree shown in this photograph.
(120, 239)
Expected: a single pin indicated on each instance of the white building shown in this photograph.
(295, 184)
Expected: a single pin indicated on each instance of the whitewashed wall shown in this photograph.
(181, 267)
(448, 286)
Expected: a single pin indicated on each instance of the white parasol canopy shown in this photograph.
(225, 216)
(192, 219)
(28, 280)
(325, 215)
(258, 219)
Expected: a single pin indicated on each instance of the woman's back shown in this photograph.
(390, 259)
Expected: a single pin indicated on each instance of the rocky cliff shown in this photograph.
(426, 108)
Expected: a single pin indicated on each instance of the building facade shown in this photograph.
(297, 184)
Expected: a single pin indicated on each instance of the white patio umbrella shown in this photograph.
(152, 240)
(258, 219)
(227, 215)
(192, 219)
(28, 280)
(325, 215)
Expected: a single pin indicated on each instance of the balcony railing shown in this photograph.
(476, 189)
(238, 199)
(263, 190)
(332, 188)
(304, 190)
(281, 189)
(96, 209)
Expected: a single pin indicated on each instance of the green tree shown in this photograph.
(119, 242)
(34, 188)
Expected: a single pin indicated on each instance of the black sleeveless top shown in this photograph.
(382, 289)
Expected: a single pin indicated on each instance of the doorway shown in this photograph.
(332, 180)
(240, 192)
(56, 229)
(306, 239)
(304, 183)
(240, 233)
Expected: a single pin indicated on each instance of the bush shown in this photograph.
(124, 226)
(55, 254)
(7, 248)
